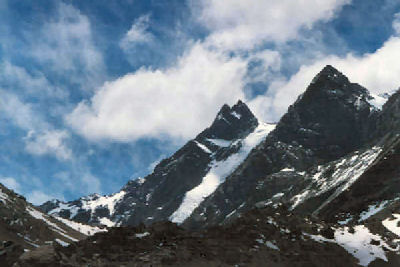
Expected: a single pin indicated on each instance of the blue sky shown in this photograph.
(94, 93)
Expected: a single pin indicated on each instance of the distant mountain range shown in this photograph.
(326, 177)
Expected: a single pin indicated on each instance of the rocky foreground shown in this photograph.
(261, 237)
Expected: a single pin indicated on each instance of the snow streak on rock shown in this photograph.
(218, 172)
(83, 228)
(41, 216)
(345, 172)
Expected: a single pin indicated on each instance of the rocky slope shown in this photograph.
(262, 237)
(24, 227)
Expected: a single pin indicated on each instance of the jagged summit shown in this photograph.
(332, 117)
(231, 123)
(330, 73)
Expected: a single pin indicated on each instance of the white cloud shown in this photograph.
(138, 33)
(22, 114)
(10, 183)
(182, 100)
(378, 72)
(177, 102)
(244, 24)
(41, 138)
(267, 61)
(48, 143)
(65, 45)
(396, 23)
(14, 77)
(38, 197)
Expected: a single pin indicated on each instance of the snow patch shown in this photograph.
(62, 243)
(278, 195)
(54, 227)
(345, 221)
(203, 147)
(287, 170)
(41, 216)
(372, 210)
(140, 180)
(221, 117)
(218, 172)
(91, 203)
(220, 142)
(104, 201)
(236, 115)
(297, 199)
(359, 243)
(82, 228)
(3, 197)
(107, 222)
(393, 225)
(141, 235)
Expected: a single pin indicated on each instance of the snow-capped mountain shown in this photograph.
(332, 160)
(179, 183)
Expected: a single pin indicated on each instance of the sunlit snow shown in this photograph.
(358, 243)
(82, 228)
(203, 147)
(218, 172)
(40, 216)
(393, 225)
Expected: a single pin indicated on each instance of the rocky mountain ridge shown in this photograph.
(331, 159)
(214, 152)
(330, 120)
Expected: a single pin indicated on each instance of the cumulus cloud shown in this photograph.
(177, 102)
(239, 24)
(181, 100)
(138, 33)
(10, 183)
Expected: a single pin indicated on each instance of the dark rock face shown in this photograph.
(389, 118)
(332, 118)
(159, 194)
(231, 123)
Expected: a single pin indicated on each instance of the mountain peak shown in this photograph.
(331, 117)
(231, 122)
(330, 68)
(329, 73)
